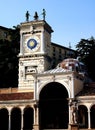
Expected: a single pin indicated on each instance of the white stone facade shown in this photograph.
(50, 90)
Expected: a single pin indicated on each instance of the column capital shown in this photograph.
(36, 104)
(22, 108)
(9, 110)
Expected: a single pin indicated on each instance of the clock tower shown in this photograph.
(35, 48)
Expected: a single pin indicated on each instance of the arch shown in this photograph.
(53, 107)
(28, 118)
(46, 83)
(15, 119)
(82, 116)
(4, 119)
(93, 116)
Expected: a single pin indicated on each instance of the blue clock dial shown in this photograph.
(32, 43)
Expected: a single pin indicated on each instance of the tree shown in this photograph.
(9, 60)
(86, 52)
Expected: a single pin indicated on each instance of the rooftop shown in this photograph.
(88, 90)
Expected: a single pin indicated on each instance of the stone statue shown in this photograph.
(74, 114)
(27, 16)
(36, 16)
(44, 14)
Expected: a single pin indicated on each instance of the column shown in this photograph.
(70, 111)
(35, 81)
(9, 126)
(21, 43)
(73, 93)
(89, 120)
(21, 39)
(36, 117)
(35, 89)
(21, 118)
(69, 115)
(42, 42)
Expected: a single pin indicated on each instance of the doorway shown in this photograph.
(53, 107)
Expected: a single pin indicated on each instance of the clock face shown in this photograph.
(32, 43)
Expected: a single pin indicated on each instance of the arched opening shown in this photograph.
(82, 117)
(3, 119)
(53, 107)
(28, 118)
(15, 119)
(93, 116)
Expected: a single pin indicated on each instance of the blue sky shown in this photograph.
(71, 20)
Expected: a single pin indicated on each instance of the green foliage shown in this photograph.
(86, 51)
(9, 60)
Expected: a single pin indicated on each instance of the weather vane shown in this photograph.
(44, 14)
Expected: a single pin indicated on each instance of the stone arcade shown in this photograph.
(53, 92)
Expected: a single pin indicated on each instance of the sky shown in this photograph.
(71, 20)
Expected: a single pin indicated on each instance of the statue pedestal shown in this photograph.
(73, 127)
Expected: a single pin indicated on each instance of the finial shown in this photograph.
(27, 16)
(44, 14)
(36, 16)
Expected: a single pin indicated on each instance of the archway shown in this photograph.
(28, 118)
(82, 116)
(16, 119)
(93, 116)
(53, 107)
(4, 119)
